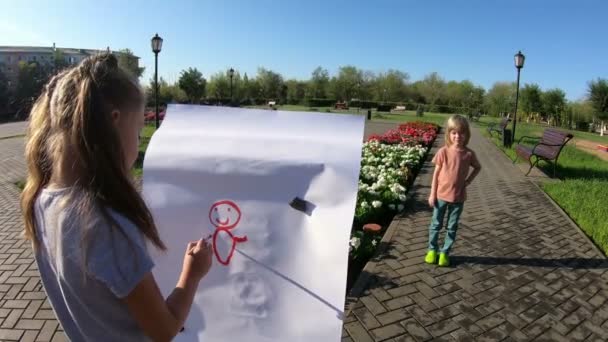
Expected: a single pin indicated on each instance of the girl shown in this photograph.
(88, 225)
(448, 191)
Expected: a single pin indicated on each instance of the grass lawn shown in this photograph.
(537, 130)
(583, 191)
(146, 135)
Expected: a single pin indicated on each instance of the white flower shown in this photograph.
(400, 207)
(374, 243)
(376, 204)
(391, 206)
(364, 204)
(402, 197)
(355, 242)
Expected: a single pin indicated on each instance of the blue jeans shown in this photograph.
(454, 210)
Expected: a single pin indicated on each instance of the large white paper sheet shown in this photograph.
(279, 269)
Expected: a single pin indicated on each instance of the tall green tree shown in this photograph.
(554, 104)
(271, 84)
(391, 86)
(432, 88)
(128, 62)
(344, 86)
(319, 82)
(296, 91)
(598, 97)
(500, 98)
(192, 82)
(167, 93)
(219, 86)
(530, 98)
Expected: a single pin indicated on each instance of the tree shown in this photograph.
(271, 84)
(296, 91)
(391, 86)
(317, 87)
(582, 112)
(531, 99)
(59, 61)
(128, 62)
(432, 88)
(344, 86)
(500, 98)
(167, 93)
(30, 79)
(554, 103)
(219, 86)
(191, 81)
(598, 96)
(462, 96)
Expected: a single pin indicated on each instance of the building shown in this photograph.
(10, 56)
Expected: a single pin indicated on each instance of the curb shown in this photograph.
(363, 279)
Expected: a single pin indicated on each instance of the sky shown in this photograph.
(564, 41)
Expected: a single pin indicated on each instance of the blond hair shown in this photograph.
(72, 117)
(459, 123)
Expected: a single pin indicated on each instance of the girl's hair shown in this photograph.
(461, 124)
(72, 118)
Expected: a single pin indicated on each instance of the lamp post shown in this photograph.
(157, 44)
(519, 63)
(231, 73)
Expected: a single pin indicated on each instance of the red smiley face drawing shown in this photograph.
(225, 215)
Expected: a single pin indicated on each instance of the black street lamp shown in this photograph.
(231, 73)
(519, 63)
(157, 44)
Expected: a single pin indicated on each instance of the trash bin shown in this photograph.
(506, 138)
(369, 114)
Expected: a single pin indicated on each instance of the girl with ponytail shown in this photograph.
(89, 227)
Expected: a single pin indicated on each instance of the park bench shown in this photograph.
(474, 116)
(500, 127)
(548, 148)
(341, 105)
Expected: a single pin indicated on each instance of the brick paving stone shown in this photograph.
(520, 271)
(20, 289)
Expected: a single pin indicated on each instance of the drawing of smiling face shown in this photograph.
(224, 214)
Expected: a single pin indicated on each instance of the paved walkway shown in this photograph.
(521, 271)
(25, 314)
(12, 129)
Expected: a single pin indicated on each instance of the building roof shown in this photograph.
(49, 49)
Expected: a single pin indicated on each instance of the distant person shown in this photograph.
(453, 164)
(88, 225)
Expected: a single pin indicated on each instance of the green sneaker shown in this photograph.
(431, 257)
(444, 260)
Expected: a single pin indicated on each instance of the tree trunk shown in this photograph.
(602, 128)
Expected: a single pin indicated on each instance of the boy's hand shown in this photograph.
(432, 201)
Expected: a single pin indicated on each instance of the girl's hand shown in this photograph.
(197, 260)
(432, 201)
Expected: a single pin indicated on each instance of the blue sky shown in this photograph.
(564, 41)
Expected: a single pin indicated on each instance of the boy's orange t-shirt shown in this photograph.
(455, 166)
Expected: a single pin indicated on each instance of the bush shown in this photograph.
(384, 108)
(364, 104)
(321, 102)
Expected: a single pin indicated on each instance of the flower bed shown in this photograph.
(389, 165)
